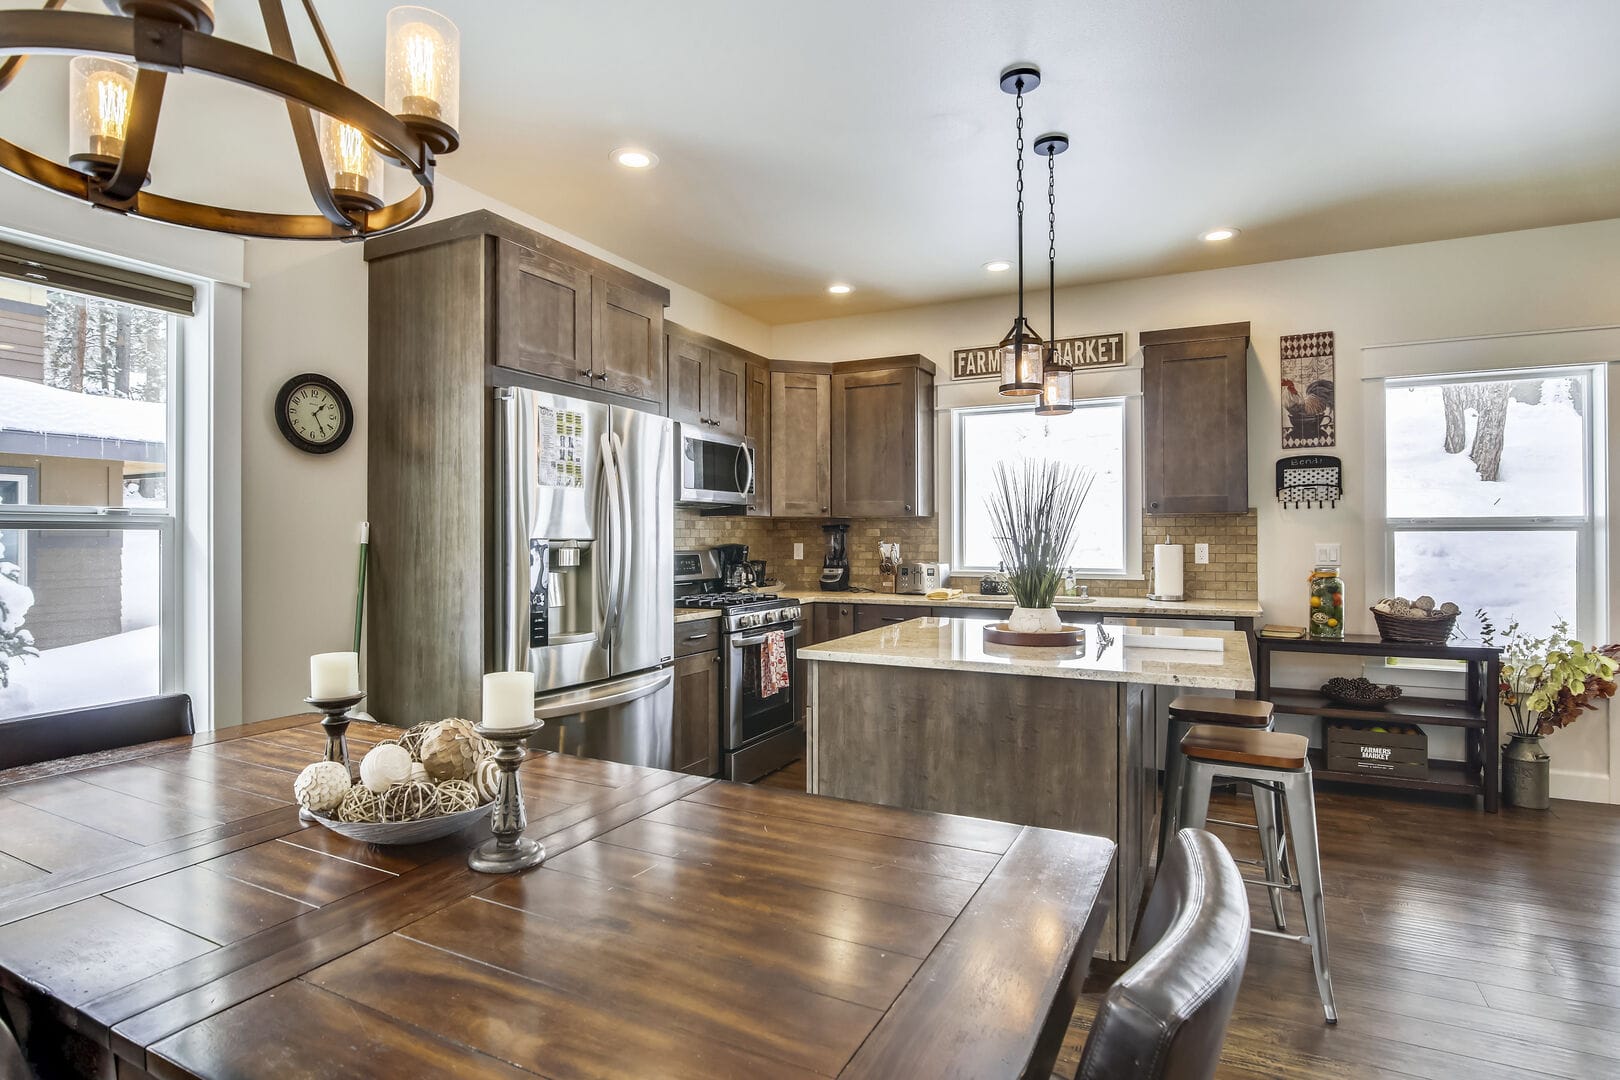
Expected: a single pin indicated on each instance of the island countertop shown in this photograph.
(1213, 608)
(959, 645)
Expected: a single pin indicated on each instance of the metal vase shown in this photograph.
(1526, 773)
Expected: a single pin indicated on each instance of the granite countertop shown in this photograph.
(1103, 605)
(685, 615)
(959, 645)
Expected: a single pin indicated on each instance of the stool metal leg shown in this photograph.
(1175, 771)
(1265, 816)
(1195, 785)
(1308, 869)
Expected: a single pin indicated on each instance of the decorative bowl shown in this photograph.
(1072, 636)
(1360, 692)
(394, 833)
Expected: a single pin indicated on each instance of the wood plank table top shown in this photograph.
(164, 912)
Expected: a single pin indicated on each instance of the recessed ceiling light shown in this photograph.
(7, 346)
(1215, 236)
(632, 158)
(838, 288)
(998, 266)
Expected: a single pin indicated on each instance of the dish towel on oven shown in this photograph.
(773, 664)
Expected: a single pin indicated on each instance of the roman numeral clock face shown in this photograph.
(314, 413)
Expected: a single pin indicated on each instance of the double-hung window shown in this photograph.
(88, 487)
(1491, 497)
(1093, 436)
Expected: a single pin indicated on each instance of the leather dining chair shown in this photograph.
(27, 740)
(1165, 1018)
(13, 1066)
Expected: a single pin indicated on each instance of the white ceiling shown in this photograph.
(867, 142)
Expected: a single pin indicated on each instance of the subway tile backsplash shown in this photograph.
(1232, 572)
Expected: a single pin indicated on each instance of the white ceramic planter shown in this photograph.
(1025, 620)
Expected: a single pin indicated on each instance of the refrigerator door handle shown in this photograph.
(615, 545)
(512, 543)
(599, 574)
(624, 540)
(603, 695)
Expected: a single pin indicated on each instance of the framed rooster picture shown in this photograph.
(1308, 415)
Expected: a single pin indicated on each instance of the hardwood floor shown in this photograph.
(1464, 944)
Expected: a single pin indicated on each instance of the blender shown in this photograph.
(835, 567)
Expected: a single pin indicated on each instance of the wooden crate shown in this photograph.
(1399, 750)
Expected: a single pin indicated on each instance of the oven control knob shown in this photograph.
(793, 613)
(745, 621)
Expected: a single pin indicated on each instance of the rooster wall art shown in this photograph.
(1307, 390)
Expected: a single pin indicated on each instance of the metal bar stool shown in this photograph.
(1277, 760)
(1189, 709)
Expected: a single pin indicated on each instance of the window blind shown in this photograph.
(95, 279)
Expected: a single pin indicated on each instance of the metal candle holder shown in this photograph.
(336, 726)
(508, 850)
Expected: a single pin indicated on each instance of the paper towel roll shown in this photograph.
(1167, 569)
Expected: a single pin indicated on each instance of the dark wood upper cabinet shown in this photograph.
(696, 735)
(1195, 403)
(759, 429)
(883, 438)
(708, 381)
(627, 342)
(687, 361)
(542, 313)
(801, 417)
(728, 392)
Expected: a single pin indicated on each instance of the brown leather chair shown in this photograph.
(26, 740)
(1165, 1018)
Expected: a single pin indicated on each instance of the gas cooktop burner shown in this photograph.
(728, 600)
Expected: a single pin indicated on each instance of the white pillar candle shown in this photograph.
(509, 699)
(334, 675)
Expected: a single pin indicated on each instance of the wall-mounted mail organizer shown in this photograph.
(1310, 481)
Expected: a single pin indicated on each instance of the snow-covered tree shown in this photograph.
(15, 600)
(102, 347)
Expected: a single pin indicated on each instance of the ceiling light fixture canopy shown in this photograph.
(1021, 348)
(116, 82)
(1057, 378)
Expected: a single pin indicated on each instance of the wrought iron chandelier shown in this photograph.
(116, 81)
(1021, 348)
(1057, 377)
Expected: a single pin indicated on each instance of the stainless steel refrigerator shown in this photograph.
(585, 571)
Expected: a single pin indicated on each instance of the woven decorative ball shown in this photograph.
(412, 740)
(486, 777)
(321, 786)
(360, 806)
(456, 796)
(410, 801)
(450, 750)
(384, 766)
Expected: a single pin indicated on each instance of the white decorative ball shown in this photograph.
(410, 801)
(456, 796)
(360, 806)
(419, 773)
(384, 766)
(321, 786)
(486, 778)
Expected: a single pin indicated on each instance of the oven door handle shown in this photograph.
(744, 642)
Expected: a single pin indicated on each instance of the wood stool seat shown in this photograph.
(1192, 709)
(1243, 746)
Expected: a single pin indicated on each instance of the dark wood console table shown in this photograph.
(1478, 713)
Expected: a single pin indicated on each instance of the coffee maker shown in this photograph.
(735, 573)
(835, 566)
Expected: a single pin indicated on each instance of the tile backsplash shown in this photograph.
(1232, 571)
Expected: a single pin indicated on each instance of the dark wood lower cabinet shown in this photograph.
(696, 738)
(876, 616)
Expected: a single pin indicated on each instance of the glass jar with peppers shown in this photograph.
(1327, 604)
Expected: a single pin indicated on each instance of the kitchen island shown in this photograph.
(924, 715)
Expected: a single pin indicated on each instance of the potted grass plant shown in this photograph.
(1034, 510)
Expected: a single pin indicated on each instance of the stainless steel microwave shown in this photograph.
(714, 469)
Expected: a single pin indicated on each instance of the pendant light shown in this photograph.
(1021, 348)
(1057, 378)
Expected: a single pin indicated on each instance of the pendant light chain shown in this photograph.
(1051, 253)
(1019, 105)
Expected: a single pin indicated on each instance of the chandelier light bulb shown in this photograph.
(424, 66)
(100, 95)
(353, 168)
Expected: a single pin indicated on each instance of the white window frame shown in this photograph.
(1130, 526)
(1590, 617)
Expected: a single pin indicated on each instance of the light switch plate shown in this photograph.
(1201, 554)
(1327, 554)
(798, 551)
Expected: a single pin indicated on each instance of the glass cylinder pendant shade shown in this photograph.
(100, 93)
(1021, 361)
(424, 66)
(1057, 390)
(353, 168)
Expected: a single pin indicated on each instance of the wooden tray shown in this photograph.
(389, 833)
(1071, 636)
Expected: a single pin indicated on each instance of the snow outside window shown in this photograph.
(87, 525)
(1490, 495)
(1092, 436)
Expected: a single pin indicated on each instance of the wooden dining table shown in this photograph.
(164, 912)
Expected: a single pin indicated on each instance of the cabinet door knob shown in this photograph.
(586, 372)
(908, 508)
(1153, 506)
(601, 376)
(823, 509)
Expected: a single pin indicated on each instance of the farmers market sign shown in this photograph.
(1079, 353)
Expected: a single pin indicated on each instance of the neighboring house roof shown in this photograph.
(35, 418)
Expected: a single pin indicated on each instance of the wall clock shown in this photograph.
(314, 413)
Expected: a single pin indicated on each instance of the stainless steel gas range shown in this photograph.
(758, 731)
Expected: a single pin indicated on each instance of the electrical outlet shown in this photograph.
(798, 551)
(1201, 554)
(1327, 554)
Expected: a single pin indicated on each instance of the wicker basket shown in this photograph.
(1419, 631)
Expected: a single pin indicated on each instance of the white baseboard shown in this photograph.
(1580, 786)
